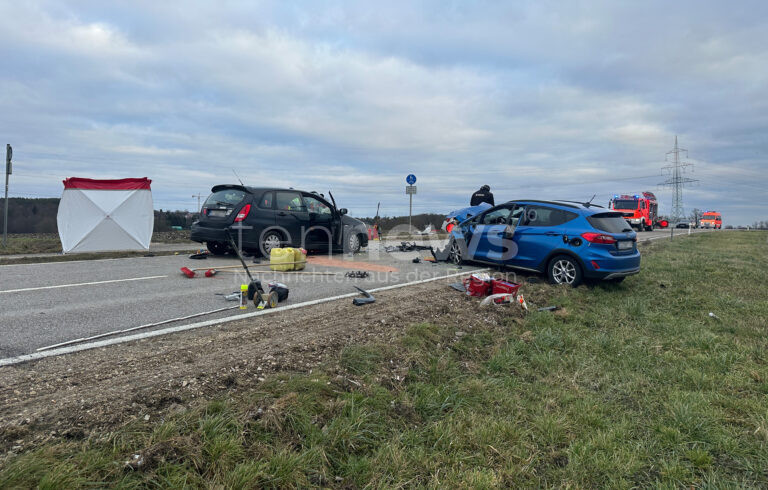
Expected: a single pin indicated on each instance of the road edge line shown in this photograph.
(192, 326)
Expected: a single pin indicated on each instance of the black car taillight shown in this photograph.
(243, 213)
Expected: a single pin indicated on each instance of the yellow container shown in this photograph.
(281, 259)
(300, 257)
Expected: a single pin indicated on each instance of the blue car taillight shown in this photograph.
(593, 237)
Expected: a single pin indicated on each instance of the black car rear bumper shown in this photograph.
(203, 234)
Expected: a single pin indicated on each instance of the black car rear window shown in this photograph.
(225, 197)
(609, 222)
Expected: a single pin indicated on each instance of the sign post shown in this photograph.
(410, 189)
(8, 171)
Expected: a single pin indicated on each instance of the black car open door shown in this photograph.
(338, 228)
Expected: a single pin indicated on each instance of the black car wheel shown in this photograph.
(217, 248)
(564, 269)
(269, 240)
(353, 243)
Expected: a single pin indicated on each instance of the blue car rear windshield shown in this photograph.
(609, 222)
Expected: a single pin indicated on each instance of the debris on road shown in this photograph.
(406, 247)
(243, 296)
(280, 288)
(199, 256)
(356, 274)
(368, 299)
(441, 255)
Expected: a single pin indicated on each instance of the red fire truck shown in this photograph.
(640, 210)
(711, 219)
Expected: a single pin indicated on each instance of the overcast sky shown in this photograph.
(540, 99)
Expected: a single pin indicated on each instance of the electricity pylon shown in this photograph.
(677, 181)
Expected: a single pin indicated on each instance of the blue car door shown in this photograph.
(491, 236)
(540, 231)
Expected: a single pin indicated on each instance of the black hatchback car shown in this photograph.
(269, 218)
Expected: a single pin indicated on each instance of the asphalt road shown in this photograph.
(49, 303)
(45, 304)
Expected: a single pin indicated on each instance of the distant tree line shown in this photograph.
(420, 221)
(27, 215)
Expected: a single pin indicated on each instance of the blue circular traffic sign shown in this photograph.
(411, 179)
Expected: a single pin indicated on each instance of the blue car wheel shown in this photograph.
(564, 269)
(454, 252)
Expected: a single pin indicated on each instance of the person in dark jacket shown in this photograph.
(483, 194)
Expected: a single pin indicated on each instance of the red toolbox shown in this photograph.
(503, 287)
(477, 285)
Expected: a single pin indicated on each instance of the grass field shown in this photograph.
(38, 243)
(630, 385)
(31, 243)
(49, 243)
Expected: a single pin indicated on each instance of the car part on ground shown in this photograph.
(217, 248)
(548, 308)
(368, 299)
(406, 247)
(499, 299)
(356, 274)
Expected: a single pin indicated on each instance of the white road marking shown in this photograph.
(80, 284)
(154, 333)
(681, 234)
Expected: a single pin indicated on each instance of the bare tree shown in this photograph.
(696, 217)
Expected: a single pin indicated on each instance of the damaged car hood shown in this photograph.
(464, 214)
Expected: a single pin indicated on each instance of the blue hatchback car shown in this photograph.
(567, 241)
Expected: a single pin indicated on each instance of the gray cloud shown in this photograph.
(537, 99)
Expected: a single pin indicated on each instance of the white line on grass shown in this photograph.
(154, 333)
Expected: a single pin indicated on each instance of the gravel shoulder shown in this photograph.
(82, 394)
